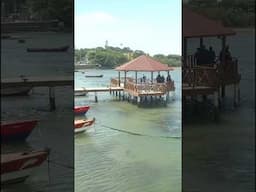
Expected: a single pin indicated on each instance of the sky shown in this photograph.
(153, 26)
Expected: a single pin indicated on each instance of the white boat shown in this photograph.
(82, 125)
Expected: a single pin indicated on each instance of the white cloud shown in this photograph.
(95, 17)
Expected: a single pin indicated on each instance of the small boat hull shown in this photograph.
(57, 49)
(15, 91)
(17, 131)
(97, 76)
(17, 167)
(81, 110)
(80, 93)
(83, 125)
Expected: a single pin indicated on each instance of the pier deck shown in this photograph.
(99, 89)
(50, 81)
(38, 81)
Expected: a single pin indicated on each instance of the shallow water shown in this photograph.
(54, 127)
(220, 156)
(129, 148)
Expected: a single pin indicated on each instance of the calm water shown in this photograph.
(220, 156)
(112, 160)
(54, 127)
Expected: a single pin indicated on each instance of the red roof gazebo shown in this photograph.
(195, 25)
(143, 63)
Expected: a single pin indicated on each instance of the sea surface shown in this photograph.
(220, 156)
(54, 128)
(129, 149)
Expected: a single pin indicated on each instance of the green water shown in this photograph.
(129, 149)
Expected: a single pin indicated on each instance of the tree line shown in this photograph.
(233, 13)
(111, 57)
(61, 10)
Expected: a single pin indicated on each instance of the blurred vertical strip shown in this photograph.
(218, 104)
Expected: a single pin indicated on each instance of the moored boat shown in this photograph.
(81, 110)
(94, 76)
(83, 125)
(16, 131)
(80, 92)
(15, 91)
(17, 167)
(56, 49)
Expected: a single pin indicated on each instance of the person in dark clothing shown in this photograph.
(168, 78)
(162, 79)
(158, 78)
(227, 55)
(212, 55)
(198, 56)
(204, 55)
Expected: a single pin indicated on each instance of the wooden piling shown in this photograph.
(235, 96)
(52, 99)
(96, 97)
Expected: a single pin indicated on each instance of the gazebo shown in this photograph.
(207, 79)
(139, 90)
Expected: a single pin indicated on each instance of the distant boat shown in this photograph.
(11, 91)
(57, 49)
(17, 131)
(94, 76)
(81, 110)
(17, 167)
(83, 125)
(81, 93)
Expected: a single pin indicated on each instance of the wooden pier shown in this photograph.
(138, 90)
(210, 77)
(50, 81)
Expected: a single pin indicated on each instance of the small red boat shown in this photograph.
(17, 167)
(81, 110)
(83, 125)
(17, 130)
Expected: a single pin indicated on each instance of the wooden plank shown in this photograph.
(50, 81)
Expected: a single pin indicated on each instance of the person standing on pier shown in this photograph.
(144, 78)
(211, 55)
(168, 78)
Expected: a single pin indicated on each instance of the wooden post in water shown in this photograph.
(52, 99)
(96, 97)
(216, 107)
(238, 94)
(138, 100)
(235, 95)
(167, 96)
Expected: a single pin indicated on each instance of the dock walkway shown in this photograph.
(50, 81)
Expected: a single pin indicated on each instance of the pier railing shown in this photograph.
(210, 74)
(200, 76)
(144, 87)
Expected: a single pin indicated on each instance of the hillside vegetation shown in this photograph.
(111, 57)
